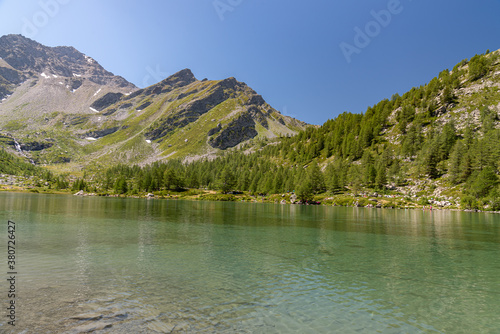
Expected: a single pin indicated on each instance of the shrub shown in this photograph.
(469, 202)
(218, 197)
(423, 201)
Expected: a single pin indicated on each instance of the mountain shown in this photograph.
(31, 58)
(436, 145)
(63, 107)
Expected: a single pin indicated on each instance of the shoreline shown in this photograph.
(209, 195)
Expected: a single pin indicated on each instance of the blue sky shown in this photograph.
(307, 59)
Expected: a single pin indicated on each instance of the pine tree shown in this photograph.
(169, 178)
(121, 186)
(315, 178)
(227, 180)
(370, 172)
(465, 167)
(446, 140)
(455, 161)
(381, 177)
(305, 191)
(430, 160)
(447, 96)
(478, 67)
(483, 182)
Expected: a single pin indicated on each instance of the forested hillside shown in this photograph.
(440, 140)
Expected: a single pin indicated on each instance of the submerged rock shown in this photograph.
(90, 316)
(92, 327)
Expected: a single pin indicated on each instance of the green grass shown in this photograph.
(14, 125)
(12, 165)
(197, 144)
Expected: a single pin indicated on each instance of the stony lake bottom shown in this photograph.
(161, 266)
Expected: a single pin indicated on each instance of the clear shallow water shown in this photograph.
(149, 266)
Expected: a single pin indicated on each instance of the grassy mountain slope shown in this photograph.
(65, 109)
(186, 118)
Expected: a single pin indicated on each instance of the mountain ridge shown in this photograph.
(59, 95)
(31, 57)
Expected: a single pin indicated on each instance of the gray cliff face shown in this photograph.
(11, 76)
(106, 101)
(238, 131)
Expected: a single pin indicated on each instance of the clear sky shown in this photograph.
(311, 60)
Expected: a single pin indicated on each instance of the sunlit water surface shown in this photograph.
(157, 266)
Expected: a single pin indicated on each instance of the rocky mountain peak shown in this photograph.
(179, 79)
(184, 76)
(231, 83)
(33, 58)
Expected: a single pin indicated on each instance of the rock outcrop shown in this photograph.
(101, 133)
(106, 101)
(239, 130)
(35, 146)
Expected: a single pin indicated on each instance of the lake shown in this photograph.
(161, 266)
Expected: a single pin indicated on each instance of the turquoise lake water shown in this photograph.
(158, 266)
